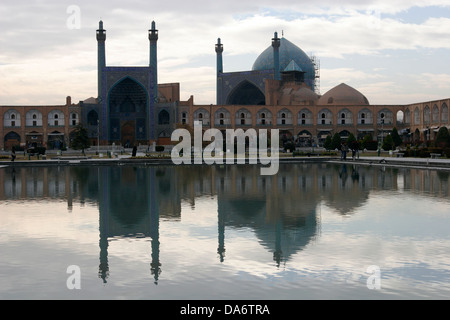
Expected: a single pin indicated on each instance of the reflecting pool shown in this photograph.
(313, 231)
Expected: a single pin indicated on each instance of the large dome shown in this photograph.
(288, 52)
(343, 95)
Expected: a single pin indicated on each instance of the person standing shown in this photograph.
(13, 154)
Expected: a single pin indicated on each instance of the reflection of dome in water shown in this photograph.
(288, 52)
(343, 95)
(284, 234)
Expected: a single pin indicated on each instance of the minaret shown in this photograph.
(219, 50)
(101, 38)
(153, 37)
(276, 56)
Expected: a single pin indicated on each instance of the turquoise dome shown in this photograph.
(288, 52)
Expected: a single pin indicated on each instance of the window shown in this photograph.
(13, 123)
(242, 118)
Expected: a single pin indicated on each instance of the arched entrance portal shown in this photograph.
(127, 105)
(246, 93)
(127, 134)
(12, 139)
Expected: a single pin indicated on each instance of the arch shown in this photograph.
(163, 117)
(246, 93)
(435, 114)
(416, 116)
(74, 119)
(184, 117)
(344, 134)
(426, 115)
(33, 118)
(127, 96)
(164, 134)
(385, 116)
(55, 140)
(325, 116)
(12, 139)
(222, 117)
(365, 116)
(305, 117)
(345, 116)
(284, 117)
(202, 115)
(400, 117)
(92, 118)
(11, 118)
(56, 118)
(264, 117)
(127, 106)
(444, 113)
(407, 116)
(417, 135)
(243, 117)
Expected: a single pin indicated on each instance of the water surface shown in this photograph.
(313, 231)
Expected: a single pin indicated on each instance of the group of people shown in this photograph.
(345, 148)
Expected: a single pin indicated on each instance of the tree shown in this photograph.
(443, 138)
(327, 143)
(388, 143)
(336, 141)
(351, 138)
(80, 139)
(396, 137)
(366, 140)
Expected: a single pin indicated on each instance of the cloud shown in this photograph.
(36, 33)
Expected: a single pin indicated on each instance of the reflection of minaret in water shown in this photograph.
(154, 228)
(221, 232)
(112, 216)
(103, 268)
(278, 253)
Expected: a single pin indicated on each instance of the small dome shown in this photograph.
(288, 52)
(305, 94)
(298, 96)
(343, 95)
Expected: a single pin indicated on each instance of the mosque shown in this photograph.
(281, 91)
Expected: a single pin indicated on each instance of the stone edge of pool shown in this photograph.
(425, 163)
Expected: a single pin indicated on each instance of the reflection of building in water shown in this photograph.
(132, 200)
(280, 209)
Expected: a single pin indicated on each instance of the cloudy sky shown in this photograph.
(393, 51)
